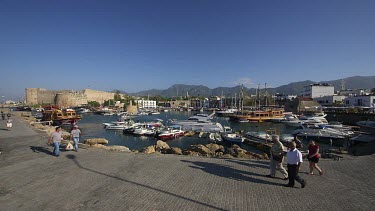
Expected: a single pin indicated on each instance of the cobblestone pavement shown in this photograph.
(32, 179)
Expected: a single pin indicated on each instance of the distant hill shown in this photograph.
(355, 82)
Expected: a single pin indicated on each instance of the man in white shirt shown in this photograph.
(294, 160)
(74, 134)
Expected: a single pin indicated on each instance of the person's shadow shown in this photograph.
(38, 149)
(230, 173)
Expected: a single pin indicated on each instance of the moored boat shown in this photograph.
(258, 115)
(60, 116)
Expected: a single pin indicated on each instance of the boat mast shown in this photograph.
(259, 94)
(265, 90)
(241, 98)
(235, 100)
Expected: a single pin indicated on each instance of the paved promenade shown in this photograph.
(32, 179)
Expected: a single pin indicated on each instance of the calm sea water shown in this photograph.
(92, 127)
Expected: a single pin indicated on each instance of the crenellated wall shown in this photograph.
(98, 96)
(66, 98)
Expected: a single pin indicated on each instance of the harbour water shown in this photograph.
(92, 127)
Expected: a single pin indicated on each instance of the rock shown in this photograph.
(236, 151)
(189, 134)
(93, 141)
(191, 153)
(149, 150)
(118, 148)
(201, 149)
(227, 156)
(240, 154)
(83, 146)
(213, 147)
(265, 156)
(99, 146)
(176, 151)
(161, 146)
(230, 151)
(219, 154)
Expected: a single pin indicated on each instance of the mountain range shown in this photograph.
(355, 82)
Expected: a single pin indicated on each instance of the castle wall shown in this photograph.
(70, 99)
(66, 98)
(39, 96)
(98, 96)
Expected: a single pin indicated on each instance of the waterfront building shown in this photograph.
(330, 100)
(363, 101)
(146, 103)
(180, 104)
(281, 97)
(301, 105)
(318, 90)
(354, 92)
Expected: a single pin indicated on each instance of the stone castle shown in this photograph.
(66, 98)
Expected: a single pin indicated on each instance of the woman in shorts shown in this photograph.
(313, 157)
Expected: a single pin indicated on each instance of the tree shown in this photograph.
(117, 96)
(109, 102)
(93, 104)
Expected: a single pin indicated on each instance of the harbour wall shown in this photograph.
(349, 118)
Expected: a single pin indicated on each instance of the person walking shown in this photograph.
(56, 138)
(8, 115)
(277, 157)
(313, 157)
(2, 115)
(9, 123)
(294, 160)
(75, 134)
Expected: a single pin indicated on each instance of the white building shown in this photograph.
(284, 96)
(318, 90)
(355, 92)
(146, 103)
(330, 100)
(365, 101)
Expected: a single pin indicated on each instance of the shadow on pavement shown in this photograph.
(73, 157)
(250, 163)
(231, 173)
(38, 149)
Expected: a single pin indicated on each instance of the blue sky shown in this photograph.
(143, 44)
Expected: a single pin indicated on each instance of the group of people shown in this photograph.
(294, 160)
(57, 137)
(9, 122)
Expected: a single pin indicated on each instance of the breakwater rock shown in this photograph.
(93, 141)
(111, 148)
(208, 150)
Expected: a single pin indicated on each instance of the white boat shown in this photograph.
(226, 112)
(233, 138)
(119, 125)
(291, 120)
(258, 136)
(200, 122)
(171, 133)
(143, 131)
(154, 113)
(320, 133)
(216, 137)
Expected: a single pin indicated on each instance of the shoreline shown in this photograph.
(160, 147)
